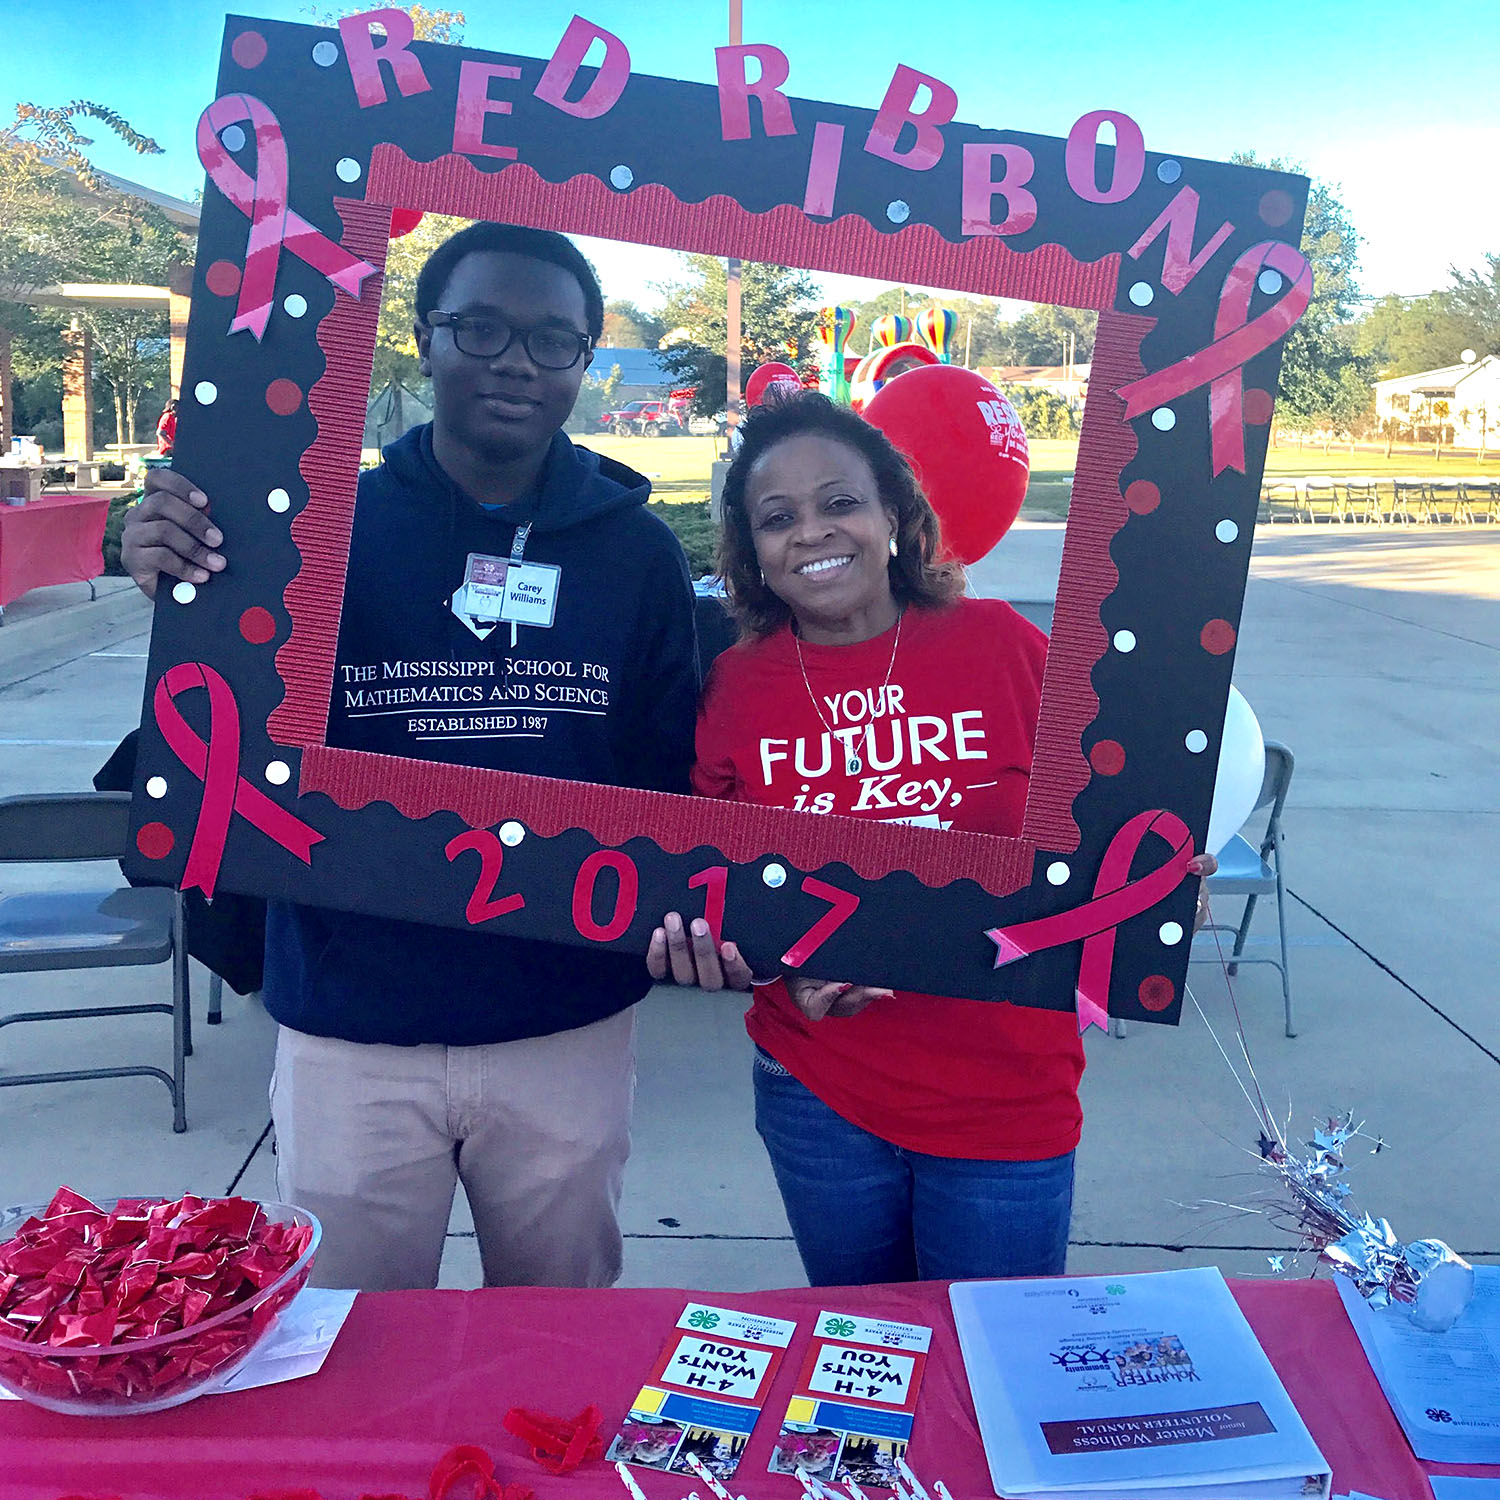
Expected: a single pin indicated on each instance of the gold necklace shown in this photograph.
(853, 765)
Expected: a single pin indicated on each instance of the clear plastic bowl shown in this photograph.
(81, 1380)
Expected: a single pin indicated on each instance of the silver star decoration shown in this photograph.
(1278, 1264)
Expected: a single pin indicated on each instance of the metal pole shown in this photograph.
(732, 278)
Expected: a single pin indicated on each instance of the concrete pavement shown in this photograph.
(1373, 654)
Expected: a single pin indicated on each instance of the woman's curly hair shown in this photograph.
(917, 576)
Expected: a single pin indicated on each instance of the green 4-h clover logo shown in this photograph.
(839, 1328)
(1116, 1290)
(701, 1319)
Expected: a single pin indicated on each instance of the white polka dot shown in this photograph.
(348, 169)
(157, 787)
(511, 834)
(279, 500)
(184, 592)
(205, 393)
(325, 54)
(621, 177)
(1141, 294)
(233, 137)
(278, 773)
(1269, 281)
(1196, 741)
(294, 306)
(898, 212)
(1168, 171)
(774, 875)
(1170, 933)
(1164, 419)
(1058, 872)
(1124, 640)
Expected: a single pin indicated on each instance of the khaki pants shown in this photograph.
(373, 1140)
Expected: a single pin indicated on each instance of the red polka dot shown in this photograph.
(222, 278)
(155, 840)
(248, 49)
(404, 220)
(1276, 207)
(1257, 407)
(1217, 637)
(283, 396)
(257, 625)
(1108, 757)
(1142, 496)
(1157, 992)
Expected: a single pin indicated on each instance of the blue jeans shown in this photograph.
(863, 1210)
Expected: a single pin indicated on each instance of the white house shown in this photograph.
(1471, 391)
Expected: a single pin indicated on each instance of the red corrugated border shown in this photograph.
(651, 214)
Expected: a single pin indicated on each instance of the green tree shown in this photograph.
(778, 306)
(1043, 413)
(1050, 335)
(1475, 298)
(595, 397)
(1403, 336)
(444, 26)
(627, 326)
(395, 338)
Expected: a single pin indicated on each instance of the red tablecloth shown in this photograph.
(414, 1372)
(56, 539)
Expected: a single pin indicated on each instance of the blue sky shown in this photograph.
(1395, 104)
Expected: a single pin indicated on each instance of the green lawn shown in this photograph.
(678, 468)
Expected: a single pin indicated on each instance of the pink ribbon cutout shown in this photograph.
(262, 199)
(1116, 899)
(1237, 338)
(217, 766)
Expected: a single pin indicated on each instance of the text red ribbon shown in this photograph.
(217, 766)
(262, 199)
(1116, 899)
(1237, 337)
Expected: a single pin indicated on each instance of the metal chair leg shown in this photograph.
(215, 1000)
(1286, 973)
(181, 1022)
(1241, 933)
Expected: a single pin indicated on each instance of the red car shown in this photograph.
(643, 419)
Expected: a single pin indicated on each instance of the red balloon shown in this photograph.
(404, 220)
(967, 446)
(766, 375)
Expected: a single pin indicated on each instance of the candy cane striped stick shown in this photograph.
(698, 1467)
(943, 1492)
(628, 1480)
(915, 1483)
(855, 1493)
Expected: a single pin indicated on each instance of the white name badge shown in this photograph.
(530, 594)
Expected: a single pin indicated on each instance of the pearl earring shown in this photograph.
(893, 546)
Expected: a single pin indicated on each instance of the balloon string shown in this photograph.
(1239, 1024)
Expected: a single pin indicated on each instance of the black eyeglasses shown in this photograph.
(485, 336)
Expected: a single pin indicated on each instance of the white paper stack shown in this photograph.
(1443, 1387)
(1131, 1387)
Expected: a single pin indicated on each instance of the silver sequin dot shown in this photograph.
(1164, 419)
(295, 305)
(233, 137)
(898, 212)
(1168, 171)
(157, 787)
(511, 834)
(278, 773)
(184, 592)
(1170, 933)
(621, 177)
(1226, 531)
(325, 54)
(1057, 873)
(1125, 640)
(205, 393)
(774, 875)
(1196, 741)
(1269, 281)
(347, 169)
(1141, 294)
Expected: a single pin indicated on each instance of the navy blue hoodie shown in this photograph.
(608, 693)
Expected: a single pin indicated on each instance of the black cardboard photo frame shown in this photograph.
(318, 135)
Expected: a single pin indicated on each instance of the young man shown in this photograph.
(413, 1057)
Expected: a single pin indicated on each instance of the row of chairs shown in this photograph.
(1459, 500)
